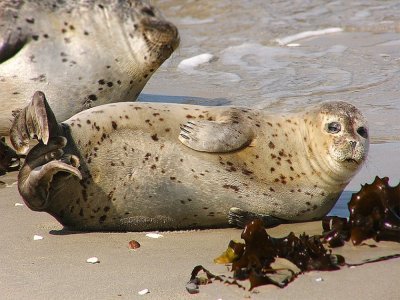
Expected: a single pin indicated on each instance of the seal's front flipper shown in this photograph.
(216, 136)
(39, 168)
(239, 218)
(36, 120)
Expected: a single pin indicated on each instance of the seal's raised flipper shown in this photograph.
(36, 120)
(239, 218)
(216, 136)
(41, 164)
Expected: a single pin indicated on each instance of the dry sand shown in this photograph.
(56, 267)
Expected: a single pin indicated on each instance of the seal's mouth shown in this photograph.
(351, 161)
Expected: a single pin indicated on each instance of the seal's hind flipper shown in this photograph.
(239, 218)
(36, 120)
(216, 136)
(39, 168)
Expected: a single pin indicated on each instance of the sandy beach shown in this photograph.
(56, 268)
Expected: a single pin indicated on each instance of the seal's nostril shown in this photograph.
(353, 144)
(148, 11)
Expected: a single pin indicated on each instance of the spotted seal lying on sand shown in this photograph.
(142, 166)
(80, 53)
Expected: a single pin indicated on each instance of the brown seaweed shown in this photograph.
(263, 259)
(374, 213)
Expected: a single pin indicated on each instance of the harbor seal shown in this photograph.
(80, 53)
(144, 166)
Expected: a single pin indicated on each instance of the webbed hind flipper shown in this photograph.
(239, 218)
(227, 135)
(36, 120)
(39, 168)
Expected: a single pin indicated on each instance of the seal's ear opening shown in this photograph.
(9, 48)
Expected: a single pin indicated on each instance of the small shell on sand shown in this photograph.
(93, 260)
(154, 235)
(143, 292)
(37, 237)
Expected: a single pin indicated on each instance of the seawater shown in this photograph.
(360, 64)
(237, 57)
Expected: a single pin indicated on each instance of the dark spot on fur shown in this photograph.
(271, 145)
(114, 125)
(229, 186)
(92, 97)
(247, 172)
(154, 137)
(102, 219)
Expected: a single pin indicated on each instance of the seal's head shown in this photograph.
(344, 137)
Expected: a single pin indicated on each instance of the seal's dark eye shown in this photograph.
(333, 127)
(363, 132)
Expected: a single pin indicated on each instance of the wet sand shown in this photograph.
(56, 267)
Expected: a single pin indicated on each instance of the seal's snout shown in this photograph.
(356, 153)
(161, 33)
